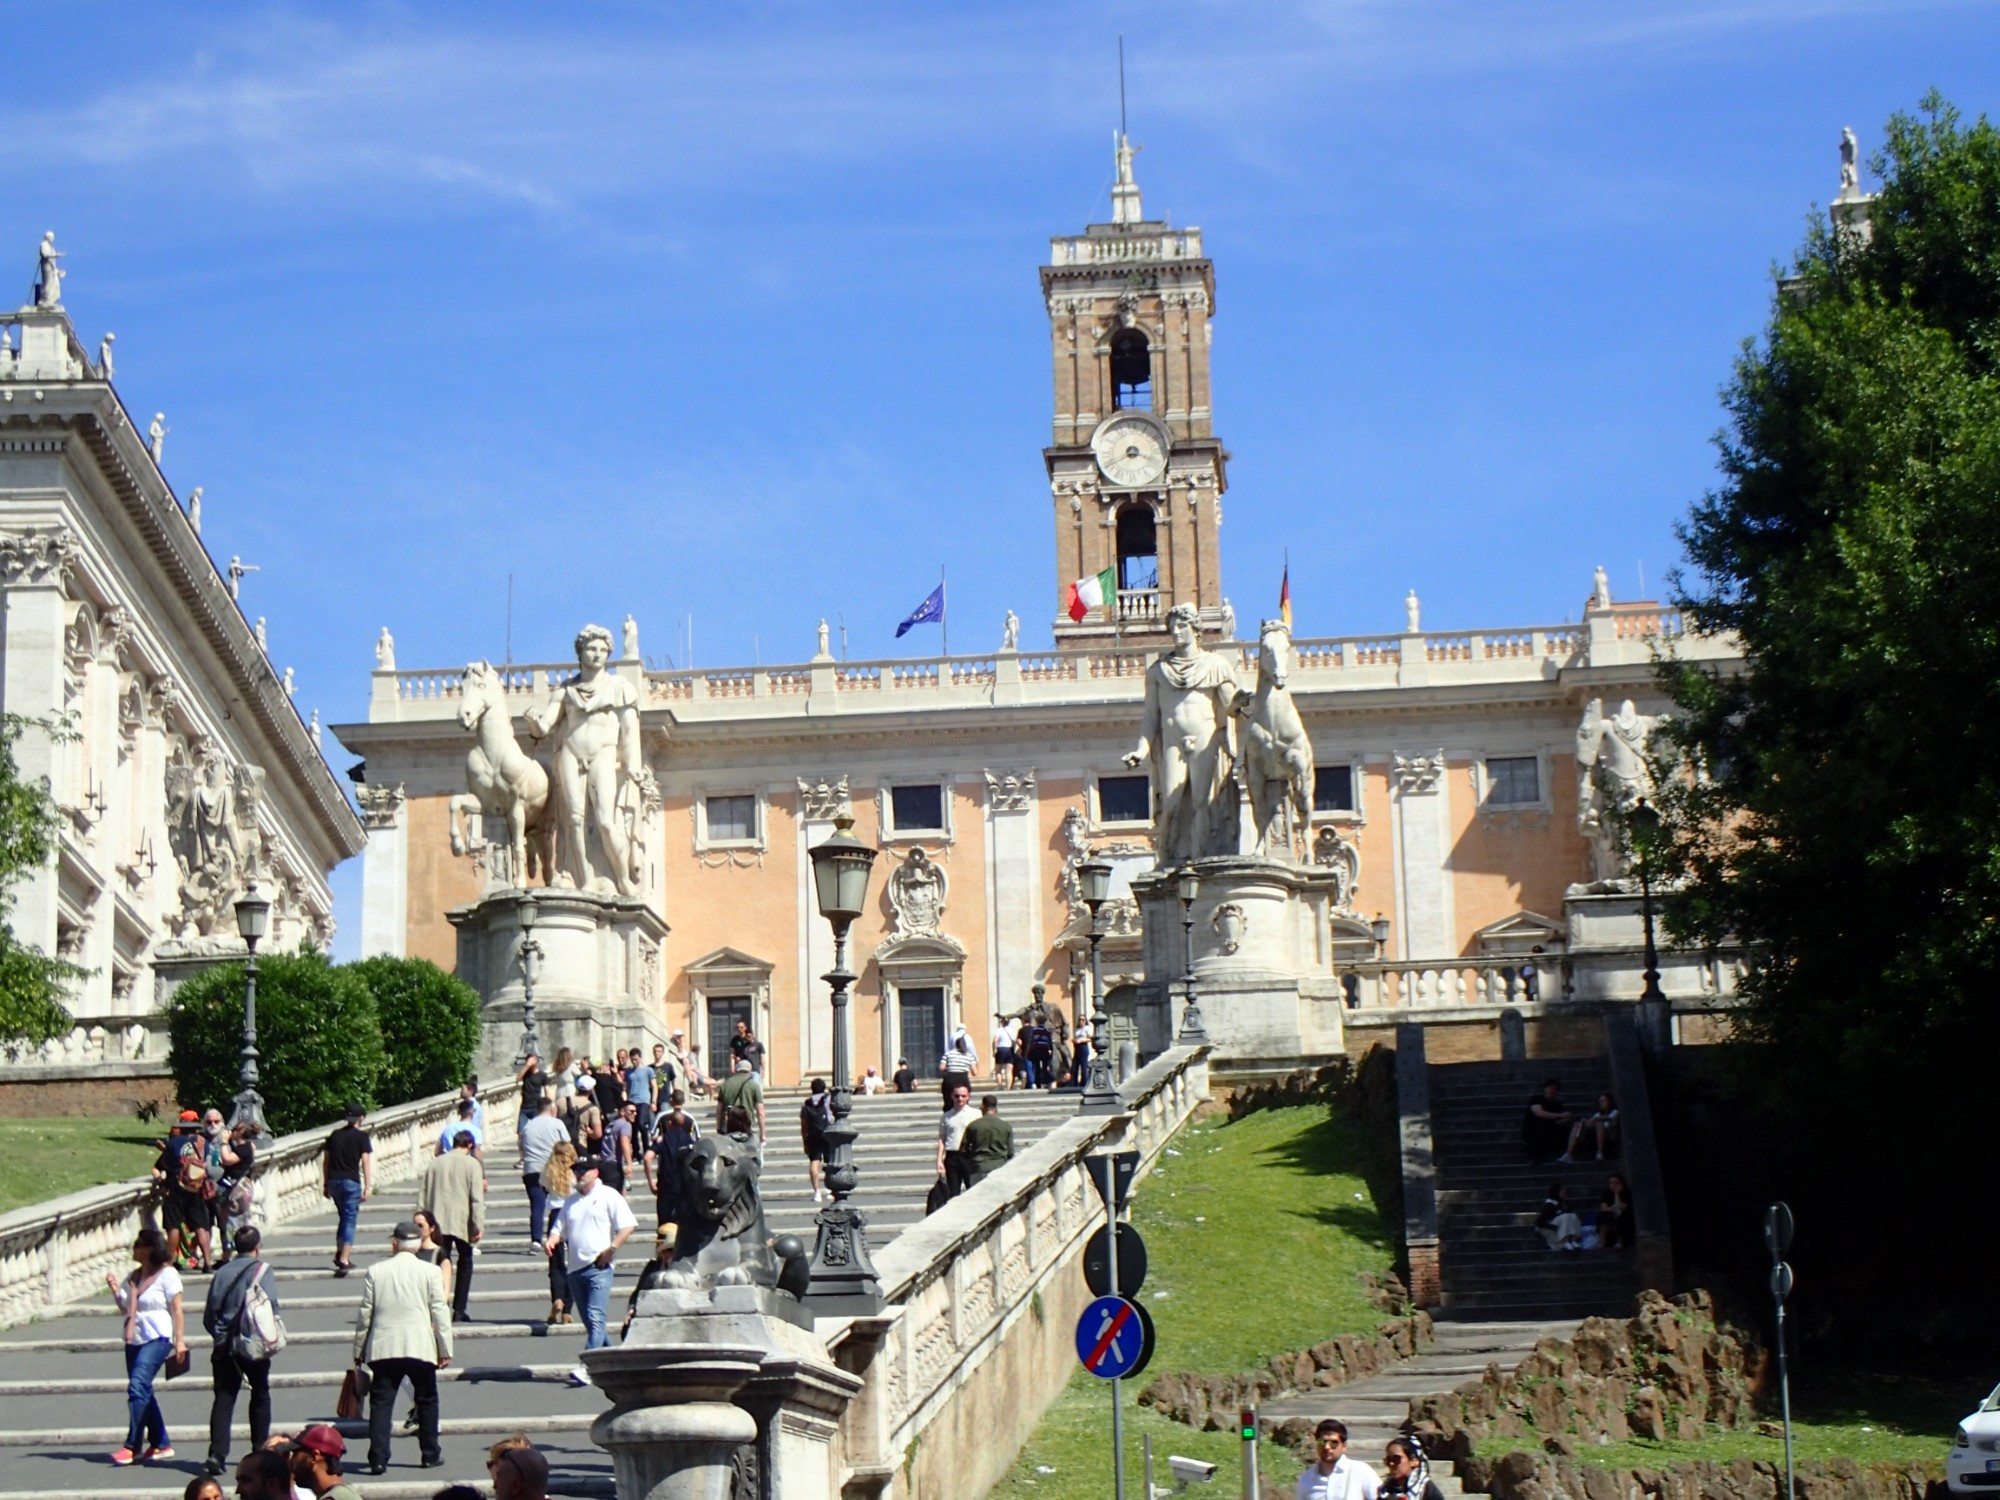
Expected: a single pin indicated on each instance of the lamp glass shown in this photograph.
(841, 866)
(253, 915)
(525, 914)
(1093, 878)
(1188, 883)
(1379, 930)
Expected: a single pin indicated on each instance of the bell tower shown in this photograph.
(1135, 472)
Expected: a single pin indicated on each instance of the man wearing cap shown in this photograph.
(316, 1463)
(403, 1332)
(592, 1223)
(347, 1177)
(181, 1171)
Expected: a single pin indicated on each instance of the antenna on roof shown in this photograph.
(1121, 84)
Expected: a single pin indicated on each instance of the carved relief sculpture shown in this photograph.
(1010, 791)
(212, 829)
(1417, 773)
(822, 800)
(1332, 852)
(917, 890)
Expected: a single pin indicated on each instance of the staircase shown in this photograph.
(1493, 1263)
(62, 1400)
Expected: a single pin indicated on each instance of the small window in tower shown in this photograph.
(1131, 370)
(1138, 549)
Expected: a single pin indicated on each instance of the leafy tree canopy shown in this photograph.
(430, 1026)
(33, 984)
(1847, 821)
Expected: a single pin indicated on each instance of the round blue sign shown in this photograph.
(1110, 1338)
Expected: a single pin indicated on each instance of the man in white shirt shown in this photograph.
(1336, 1476)
(592, 1223)
(951, 1163)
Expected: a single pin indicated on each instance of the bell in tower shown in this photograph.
(1135, 471)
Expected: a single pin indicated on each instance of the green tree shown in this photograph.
(1846, 818)
(319, 1039)
(33, 985)
(430, 1026)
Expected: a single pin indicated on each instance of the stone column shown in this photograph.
(385, 871)
(1423, 845)
(1013, 890)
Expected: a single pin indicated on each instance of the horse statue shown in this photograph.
(1277, 761)
(504, 780)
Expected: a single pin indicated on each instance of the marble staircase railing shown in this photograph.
(57, 1252)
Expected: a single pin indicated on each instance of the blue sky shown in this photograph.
(731, 314)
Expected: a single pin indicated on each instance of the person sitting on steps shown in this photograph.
(1545, 1123)
(1614, 1216)
(1557, 1222)
(1603, 1122)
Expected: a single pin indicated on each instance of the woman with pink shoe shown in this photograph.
(155, 1330)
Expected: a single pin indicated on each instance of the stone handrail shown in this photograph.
(94, 1039)
(1420, 984)
(959, 1279)
(58, 1252)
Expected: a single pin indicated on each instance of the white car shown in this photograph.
(1973, 1465)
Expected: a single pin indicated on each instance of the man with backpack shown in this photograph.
(185, 1190)
(241, 1315)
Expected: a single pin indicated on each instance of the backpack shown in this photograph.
(815, 1117)
(191, 1176)
(1041, 1039)
(260, 1332)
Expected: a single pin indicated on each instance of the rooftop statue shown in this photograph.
(48, 284)
(1850, 163)
(385, 651)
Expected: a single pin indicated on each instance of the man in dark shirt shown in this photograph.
(185, 1212)
(988, 1142)
(218, 1316)
(746, 1046)
(347, 1176)
(1545, 1124)
(904, 1081)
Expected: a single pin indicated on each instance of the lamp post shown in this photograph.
(1100, 1093)
(1188, 884)
(529, 957)
(842, 1279)
(253, 920)
(1645, 824)
(1379, 931)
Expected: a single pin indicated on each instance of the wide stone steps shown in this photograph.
(62, 1406)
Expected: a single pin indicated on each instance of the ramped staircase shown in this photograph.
(1492, 1262)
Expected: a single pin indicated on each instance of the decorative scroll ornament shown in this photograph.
(823, 800)
(1010, 791)
(1230, 923)
(917, 890)
(1332, 852)
(36, 557)
(1418, 773)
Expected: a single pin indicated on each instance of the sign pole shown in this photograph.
(1117, 1411)
(1778, 1227)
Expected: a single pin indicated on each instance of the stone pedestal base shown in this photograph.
(1263, 962)
(1607, 949)
(601, 984)
(721, 1389)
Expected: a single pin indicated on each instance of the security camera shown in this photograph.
(1191, 1470)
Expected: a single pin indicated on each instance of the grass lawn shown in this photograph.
(1254, 1234)
(43, 1159)
(1866, 1416)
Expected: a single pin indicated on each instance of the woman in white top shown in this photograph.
(150, 1299)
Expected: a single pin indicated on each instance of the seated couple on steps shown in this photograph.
(1610, 1228)
(1549, 1131)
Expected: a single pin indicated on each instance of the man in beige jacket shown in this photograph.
(404, 1331)
(454, 1195)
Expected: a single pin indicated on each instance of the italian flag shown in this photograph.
(1094, 592)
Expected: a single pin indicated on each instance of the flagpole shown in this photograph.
(944, 614)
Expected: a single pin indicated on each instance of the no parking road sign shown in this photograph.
(1113, 1338)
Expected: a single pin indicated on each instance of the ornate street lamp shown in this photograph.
(529, 957)
(1379, 930)
(1100, 1094)
(1645, 825)
(253, 920)
(1188, 884)
(842, 1280)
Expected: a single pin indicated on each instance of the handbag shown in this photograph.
(353, 1391)
(177, 1364)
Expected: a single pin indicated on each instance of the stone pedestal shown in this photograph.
(1607, 949)
(601, 983)
(722, 1392)
(1263, 963)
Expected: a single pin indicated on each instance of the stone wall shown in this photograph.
(102, 1091)
(1210, 1403)
(1663, 1373)
(1548, 1476)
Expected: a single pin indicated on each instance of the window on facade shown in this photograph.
(1138, 548)
(1131, 370)
(1124, 799)
(1513, 780)
(1333, 789)
(732, 818)
(917, 808)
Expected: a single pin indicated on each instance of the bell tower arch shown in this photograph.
(1136, 474)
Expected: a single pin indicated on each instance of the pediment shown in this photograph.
(730, 961)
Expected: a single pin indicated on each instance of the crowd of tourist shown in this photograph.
(310, 1463)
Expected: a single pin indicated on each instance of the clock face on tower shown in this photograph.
(1130, 451)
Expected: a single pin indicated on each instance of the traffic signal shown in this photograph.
(1247, 1420)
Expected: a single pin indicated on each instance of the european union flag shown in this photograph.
(931, 609)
